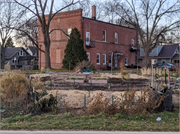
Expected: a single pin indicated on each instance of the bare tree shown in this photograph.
(10, 15)
(151, 18)
(40, 9)
(27, 33)
(86, 6)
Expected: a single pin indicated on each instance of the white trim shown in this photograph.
(105, 36)
(104, 63)
(99, 58)
(116, 34)
(69, 30)
(88, 54)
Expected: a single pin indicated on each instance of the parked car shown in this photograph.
(163, 65)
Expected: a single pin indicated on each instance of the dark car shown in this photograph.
(163, 65)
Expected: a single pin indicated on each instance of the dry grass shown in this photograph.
(148, 71)
(128, 103)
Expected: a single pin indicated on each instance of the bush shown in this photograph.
(163, 74)
(35, 67)
(84, 63)
(128, 103)
(7, 67)
(43, 70)
(13, 85)
(74, 51)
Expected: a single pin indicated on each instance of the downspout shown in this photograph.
(83, 29)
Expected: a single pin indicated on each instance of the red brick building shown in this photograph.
(101, 40)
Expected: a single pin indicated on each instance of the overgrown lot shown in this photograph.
(102, 121)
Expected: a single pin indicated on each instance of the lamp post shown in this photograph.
(165, 75)
(40, 56)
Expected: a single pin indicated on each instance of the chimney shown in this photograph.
(94, 12)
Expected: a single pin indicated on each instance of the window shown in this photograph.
(132, 42)
(87, 38)
(126, 61)
(104, 35)
(116, 37)
(110, 58)
(98, 58)
(58, 56)
(104, 59)
(88, 56)
(21, 53)
(69, 30)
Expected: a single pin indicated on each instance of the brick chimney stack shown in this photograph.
(94, 12)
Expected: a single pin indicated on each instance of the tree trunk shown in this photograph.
(47, 51)
(146, 59)
(2, 57)
(47, 57)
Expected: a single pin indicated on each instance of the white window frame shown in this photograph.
(126, 61)
(69, 30)
(104, 36)
(116, 37)
(99, 58)
(88, 54)
(87, 38)
(104, 60)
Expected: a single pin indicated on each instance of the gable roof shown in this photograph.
(167, 51)
(33, 49)
(9, 52)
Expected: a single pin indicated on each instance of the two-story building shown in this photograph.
(19, 58)
(105, 43)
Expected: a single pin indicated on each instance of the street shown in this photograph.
(84, 132)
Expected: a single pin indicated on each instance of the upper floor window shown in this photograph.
(132, 42)
(116, 37)
(69, 30)
(88, 38)
(104, 35)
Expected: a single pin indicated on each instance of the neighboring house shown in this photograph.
(162, 54)
(18, 57)
(33, 52)
(101, 40)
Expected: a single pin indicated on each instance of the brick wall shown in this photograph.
(123, 46)
(74, 19)
(59, 40)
